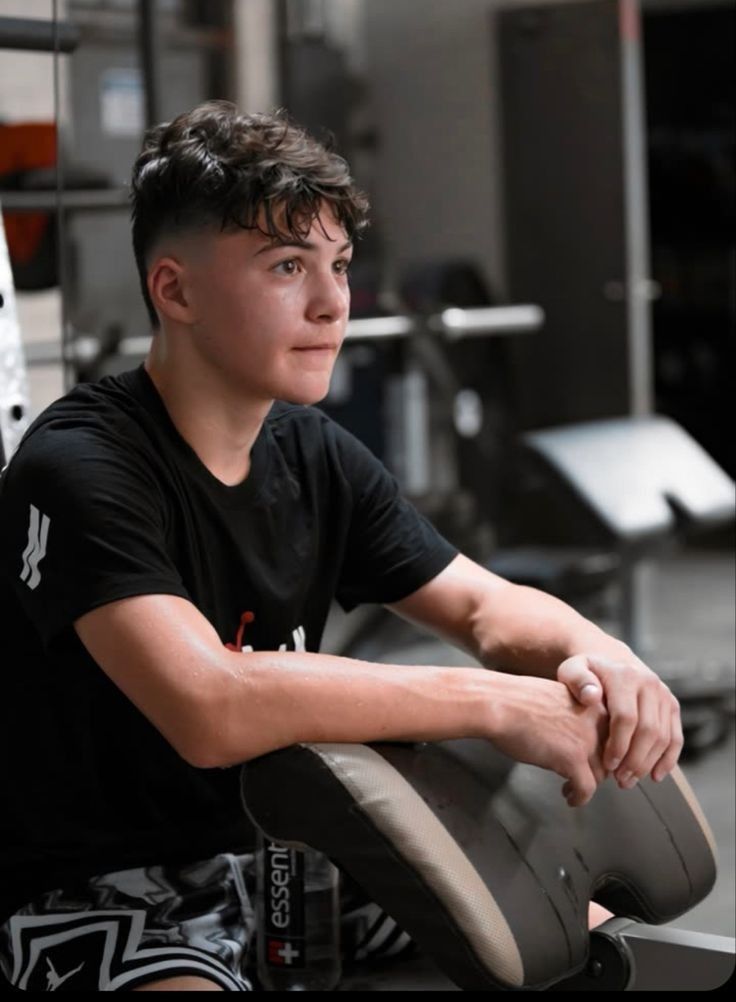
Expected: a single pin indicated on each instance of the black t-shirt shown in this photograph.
(104, 500)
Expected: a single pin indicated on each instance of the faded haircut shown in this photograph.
(213, 168)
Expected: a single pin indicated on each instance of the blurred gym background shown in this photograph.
(542, 336)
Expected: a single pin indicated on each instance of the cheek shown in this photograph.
(230, 308)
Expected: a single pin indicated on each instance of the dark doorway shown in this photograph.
(691, 124)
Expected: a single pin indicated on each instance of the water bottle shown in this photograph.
(298, 919)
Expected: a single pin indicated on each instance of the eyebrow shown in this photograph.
(303, 244)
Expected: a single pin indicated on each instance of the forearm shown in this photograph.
(268, 700)
(273, 700)
(218, 707)
(527, 632)
(509, 627)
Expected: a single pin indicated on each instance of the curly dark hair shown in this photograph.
(215, 168)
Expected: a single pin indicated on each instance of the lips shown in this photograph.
(317, 347)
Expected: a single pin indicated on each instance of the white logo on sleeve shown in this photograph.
(35, 551)
(299, 639)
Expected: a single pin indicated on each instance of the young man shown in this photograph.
(171, 542)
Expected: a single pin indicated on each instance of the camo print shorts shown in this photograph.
(123, 929)
(120, 930)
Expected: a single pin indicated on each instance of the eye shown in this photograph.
(342, 267)
(288, 267)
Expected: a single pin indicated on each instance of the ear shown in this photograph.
(168, 289)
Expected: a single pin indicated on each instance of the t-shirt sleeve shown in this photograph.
(391, 549)
(81, 524)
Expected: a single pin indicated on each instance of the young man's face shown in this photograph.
(269, 317)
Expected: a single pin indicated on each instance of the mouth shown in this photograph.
(317, 348)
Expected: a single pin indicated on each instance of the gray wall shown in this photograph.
(437, 186)
(431, 68)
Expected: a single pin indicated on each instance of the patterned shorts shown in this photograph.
(119, 930)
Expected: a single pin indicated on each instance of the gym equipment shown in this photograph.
(14, 400)
(39, 36)
(36, 35)
(482, 862)
(643, 478)
(637, 484)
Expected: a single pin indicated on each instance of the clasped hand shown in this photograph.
(644, 730)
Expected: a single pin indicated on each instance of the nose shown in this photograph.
(329, 298)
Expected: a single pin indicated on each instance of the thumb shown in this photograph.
(583, 684)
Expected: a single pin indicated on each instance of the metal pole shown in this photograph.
(636, 208)
(34, 35)
(256, 31)
(635, 583)
(149, 39)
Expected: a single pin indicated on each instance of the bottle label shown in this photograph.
(285, 946)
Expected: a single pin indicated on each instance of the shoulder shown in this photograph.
(89, 431)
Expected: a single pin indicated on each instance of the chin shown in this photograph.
(307, 392)
(301, 397)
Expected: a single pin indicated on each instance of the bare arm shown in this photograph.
(502, 625)
(218, 707)
(524, 631)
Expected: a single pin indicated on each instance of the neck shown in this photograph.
(218, 423)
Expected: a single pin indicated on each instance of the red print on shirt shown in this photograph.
(247, 617)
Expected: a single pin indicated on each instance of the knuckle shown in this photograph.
(647, 729)
(625, 671)
(624, 718)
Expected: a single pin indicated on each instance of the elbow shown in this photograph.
(202, 756)
(204, 745)
(198, 749)
(229, 719)
(487, 645)
(209, 755)
(197, 733)
(217, 736)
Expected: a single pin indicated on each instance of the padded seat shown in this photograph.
(479, 858)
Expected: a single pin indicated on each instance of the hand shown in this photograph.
(538, 721)
(645, 734)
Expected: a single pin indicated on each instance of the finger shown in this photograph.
(666, 733)
(596, 760)
(582, 786)
(599, 773)
(623, 710)
(669, 760)
(584, 685)
(662, 742)
(648, 742)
